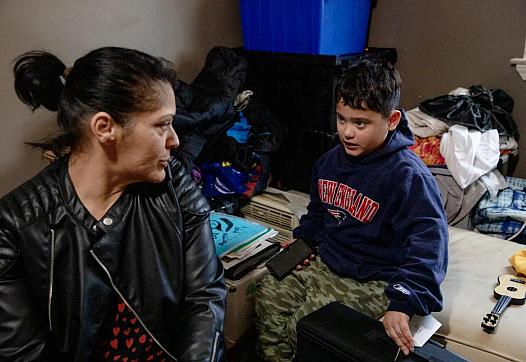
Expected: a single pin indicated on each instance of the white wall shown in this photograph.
(180, 30)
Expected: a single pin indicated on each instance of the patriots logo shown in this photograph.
(338, 214)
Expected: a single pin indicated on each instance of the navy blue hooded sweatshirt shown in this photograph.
(380, 217)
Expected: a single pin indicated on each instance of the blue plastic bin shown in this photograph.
(331, 27)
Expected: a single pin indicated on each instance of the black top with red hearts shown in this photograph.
(123, 338)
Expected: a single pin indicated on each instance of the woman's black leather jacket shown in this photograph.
(60, 268)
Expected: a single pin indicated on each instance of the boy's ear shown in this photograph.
(103, 128)
(394, 119)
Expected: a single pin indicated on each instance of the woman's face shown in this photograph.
(145, 143)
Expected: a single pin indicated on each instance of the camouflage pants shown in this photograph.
(280, 305)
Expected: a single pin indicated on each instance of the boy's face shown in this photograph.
(363, 131)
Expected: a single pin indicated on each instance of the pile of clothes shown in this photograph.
(462, 136)
(226, 136)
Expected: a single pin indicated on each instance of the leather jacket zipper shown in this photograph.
(128, 305)
(51, 270)
(214, 347)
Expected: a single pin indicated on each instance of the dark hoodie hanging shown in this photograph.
(206, 106)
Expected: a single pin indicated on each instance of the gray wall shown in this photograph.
(180, 30)
(444, 44)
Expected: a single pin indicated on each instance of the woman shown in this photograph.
(104, 255)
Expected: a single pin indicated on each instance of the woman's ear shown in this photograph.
(394, 119)
(103, 128)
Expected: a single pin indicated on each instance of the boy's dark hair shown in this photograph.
(370, 84)
(119, 81)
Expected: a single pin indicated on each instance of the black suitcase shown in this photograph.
(337, 333)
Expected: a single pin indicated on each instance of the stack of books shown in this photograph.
(240, 243)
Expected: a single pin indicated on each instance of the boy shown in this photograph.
(376, 216)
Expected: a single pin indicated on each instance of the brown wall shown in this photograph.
(442, 44)
(445, 44)
(180, 30)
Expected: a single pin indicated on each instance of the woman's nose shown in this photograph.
(172, 141)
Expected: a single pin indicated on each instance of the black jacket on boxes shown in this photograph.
(206, 106)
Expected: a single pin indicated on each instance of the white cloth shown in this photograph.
(469, 154)
(423, 125)
(508, 143)
(460, 91)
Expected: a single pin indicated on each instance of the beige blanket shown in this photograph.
(475, 262)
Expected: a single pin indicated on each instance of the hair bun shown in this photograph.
(37, 79)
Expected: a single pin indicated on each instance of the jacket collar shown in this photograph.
(72, 201)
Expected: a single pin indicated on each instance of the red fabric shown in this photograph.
(428, 149)
(122, 338)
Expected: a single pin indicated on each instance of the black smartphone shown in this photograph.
(281, 264)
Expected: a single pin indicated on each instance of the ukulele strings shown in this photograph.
(501, 304)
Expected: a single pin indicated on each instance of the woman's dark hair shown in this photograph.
(370, 84)
(119, 81)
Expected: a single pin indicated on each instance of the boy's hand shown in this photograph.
(306, 262)
(396, 326)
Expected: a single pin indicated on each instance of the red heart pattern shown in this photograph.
(114, 343)
(120, 307)
(121, 338)
(129, 342)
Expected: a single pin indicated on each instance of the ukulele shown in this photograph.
(511, 289)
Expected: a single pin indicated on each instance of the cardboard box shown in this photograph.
(240, 304)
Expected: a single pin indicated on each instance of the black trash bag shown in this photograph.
(503, 100)
(492, 97)
(500, 104)
(483, 110)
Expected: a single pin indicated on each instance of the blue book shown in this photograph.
(232, 233)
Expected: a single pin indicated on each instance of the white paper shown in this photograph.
(422, 328)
